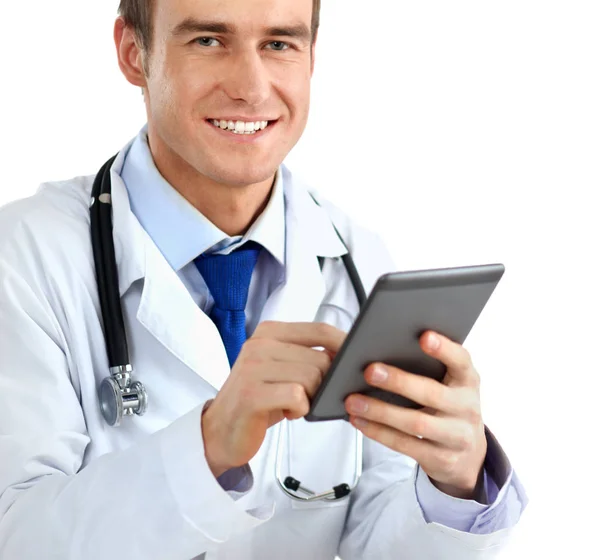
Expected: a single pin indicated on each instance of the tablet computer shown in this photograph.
(400, 308)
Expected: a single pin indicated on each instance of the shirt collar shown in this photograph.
(178, 229)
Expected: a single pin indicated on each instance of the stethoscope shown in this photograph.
(118, 394)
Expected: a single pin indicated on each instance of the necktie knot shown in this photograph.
(228, 280)
(228, 276)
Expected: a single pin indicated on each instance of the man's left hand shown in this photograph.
(447, 436)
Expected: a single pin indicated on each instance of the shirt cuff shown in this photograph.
(237, 482)
(470, 515)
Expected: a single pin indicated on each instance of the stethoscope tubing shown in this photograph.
(106, 268)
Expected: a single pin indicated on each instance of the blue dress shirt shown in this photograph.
(182, 233)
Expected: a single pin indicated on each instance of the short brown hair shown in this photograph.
(138, 15)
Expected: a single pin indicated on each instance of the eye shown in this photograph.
(205, 41)
(279, 45)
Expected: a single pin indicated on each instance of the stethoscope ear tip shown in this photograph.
(341, 491)
(291, 483)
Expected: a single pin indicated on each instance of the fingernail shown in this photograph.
(358, 405)
(359, 422)
(379, 374)
(433, 342)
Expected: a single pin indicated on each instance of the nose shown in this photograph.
(248, 79)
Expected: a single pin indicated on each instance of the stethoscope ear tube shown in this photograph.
(292, 487)
(106, 268)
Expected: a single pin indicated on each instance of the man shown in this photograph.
(201, 194)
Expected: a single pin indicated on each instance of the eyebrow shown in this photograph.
(191, 25)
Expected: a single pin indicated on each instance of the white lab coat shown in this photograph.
(73, 488)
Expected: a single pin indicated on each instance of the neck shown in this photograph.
(231, 208)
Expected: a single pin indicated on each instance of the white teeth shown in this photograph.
(241, 127)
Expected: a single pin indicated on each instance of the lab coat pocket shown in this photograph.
(320, 455)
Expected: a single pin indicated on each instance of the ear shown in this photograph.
(130, 55)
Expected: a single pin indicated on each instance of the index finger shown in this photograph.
(453, 355)
(304, 334)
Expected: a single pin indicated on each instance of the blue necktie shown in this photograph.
(228, 279)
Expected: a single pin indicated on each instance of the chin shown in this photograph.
(243, 180)
(243, 175)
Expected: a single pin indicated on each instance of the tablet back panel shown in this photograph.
(399, 309)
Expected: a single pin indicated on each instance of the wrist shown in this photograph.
(471, 490)
(211, 439)
(454, 491)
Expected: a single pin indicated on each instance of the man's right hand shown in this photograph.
(275, 375)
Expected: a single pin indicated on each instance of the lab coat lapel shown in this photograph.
(170, 314)
(309, 234)
(166, 308)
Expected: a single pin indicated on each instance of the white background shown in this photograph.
(463, 132)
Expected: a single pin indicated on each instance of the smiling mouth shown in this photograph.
(241, 127)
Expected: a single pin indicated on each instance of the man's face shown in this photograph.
(217, 61)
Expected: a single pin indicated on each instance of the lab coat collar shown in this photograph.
(130, 238)
(313, 222)
(168, 311)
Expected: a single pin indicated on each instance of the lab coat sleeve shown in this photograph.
(154, 500)
(386, 520)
